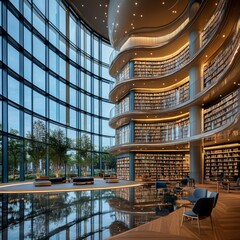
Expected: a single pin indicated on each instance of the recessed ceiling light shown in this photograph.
(206, 56)
(135, 53)
(125, 31)
(103, 20)
(131, 24)
(133, 27)
(117, 11)
(134, 14)
(95, 17)
(100, 5)
(118, 6)
(82, 5)
(141, 15)
(106, 5)
(235, 83)
(224, 35)
(163, 3)
(136, 3)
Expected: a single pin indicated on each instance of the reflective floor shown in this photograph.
(97, 214)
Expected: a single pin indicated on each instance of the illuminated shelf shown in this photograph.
(221, 161)
(161, 166)
(161, 100)
(222, 112)
(161, 131)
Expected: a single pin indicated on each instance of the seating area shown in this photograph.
(82, 180)
(47, 181)
(228, 184)
(205, 202)
(197, 194)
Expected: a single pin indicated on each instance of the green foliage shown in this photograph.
(108, 159)
(36, 145)
(14, 152)
(84, 157)
(58, 147)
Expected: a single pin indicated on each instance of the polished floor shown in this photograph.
(226, 223)
(226, 215)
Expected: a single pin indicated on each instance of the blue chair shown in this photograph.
(201, 210)
(213, 195)
(197, 194)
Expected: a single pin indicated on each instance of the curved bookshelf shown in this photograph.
(161, 131)
(161, 100)
(218, 64)
(222, 112)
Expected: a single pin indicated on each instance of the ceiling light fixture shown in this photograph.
(136, 3)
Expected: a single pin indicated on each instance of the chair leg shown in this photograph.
(198, 225)
(211, 222)
(182, 220)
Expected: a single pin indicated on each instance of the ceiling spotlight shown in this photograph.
(141, 15)
(100, 5)
(82, 5)
(134, 14)
(163, 3)
(136, 3)
(117, 11)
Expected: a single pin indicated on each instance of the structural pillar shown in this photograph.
(195, 112)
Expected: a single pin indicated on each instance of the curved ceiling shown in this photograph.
(94, 13)
(129, 17)
(115, 18)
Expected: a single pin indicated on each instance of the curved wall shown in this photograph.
(203, 74)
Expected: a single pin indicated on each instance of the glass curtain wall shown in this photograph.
(53, 78)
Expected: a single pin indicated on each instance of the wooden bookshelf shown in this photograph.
(162, 166)
(222, 112)
(213, 22)
(163, 67)
(213, 69)
(123, 168)
(221, 161)
(161, 131)
(161, 100)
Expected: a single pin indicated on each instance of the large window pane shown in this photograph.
(62, 19)
(27, 40)
(38, 77)
(73, 118)
(38, 49)
(13, 58)
(27, 97)
(27, 124)
(27, 11)
(40, 5)
(38, 103)
(13, 26)
(105, 90)
(13, 89)
(38, 23)
(53, 11)
(13, 120)
(73, 29)
(27, 69)
(106, 52)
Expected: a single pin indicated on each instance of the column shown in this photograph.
(195, 112)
